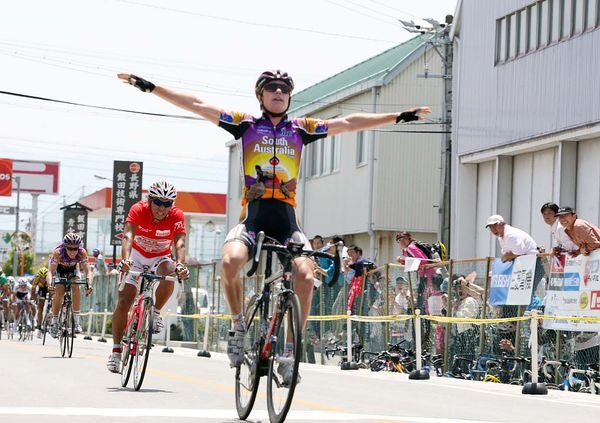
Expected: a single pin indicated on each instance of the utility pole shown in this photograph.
(440, 42)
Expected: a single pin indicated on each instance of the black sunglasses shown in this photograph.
(159, 203)
(72, 248)
(273, 86)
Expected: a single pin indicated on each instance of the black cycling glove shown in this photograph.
(142, 84)
(407, 117)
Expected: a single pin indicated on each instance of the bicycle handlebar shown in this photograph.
(293, 251)
(154, 276)
(72, 281)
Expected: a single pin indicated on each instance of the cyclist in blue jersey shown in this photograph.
(271, 148)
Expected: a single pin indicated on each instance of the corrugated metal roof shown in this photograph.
(375, 68)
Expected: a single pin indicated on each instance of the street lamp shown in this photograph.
(102, 178)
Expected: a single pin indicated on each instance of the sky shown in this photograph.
(71, 50)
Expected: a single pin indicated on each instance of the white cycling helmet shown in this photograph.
(163, 190)
(22, 282)
(72, 239)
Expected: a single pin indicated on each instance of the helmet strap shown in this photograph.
(273, 114)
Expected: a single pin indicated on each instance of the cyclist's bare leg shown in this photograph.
(234, 256)
(40, 310)
(303, 285)
(59, 293)
(76, 297)
(165, 288)
(119, 319)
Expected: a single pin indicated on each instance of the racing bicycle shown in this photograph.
(137, 338)
(272, 319)
(66, 318)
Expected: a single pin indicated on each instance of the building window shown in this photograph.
(555, 21)
(523, 33)
(331, 155)
(592, 14)
(578, 16)
(567, 19)
(501, 36)
(541, 23)
(513, 33)
(534, 35)
(361, 148)
(322, 157)
(544, 23)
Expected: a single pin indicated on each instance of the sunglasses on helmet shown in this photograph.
(274, 86)
(158, 202)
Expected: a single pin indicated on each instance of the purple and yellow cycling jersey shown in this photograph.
(271, 155)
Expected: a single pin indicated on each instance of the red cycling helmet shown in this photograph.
(270, 76)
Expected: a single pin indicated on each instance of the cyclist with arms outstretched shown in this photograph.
(66, 261)
(152, 228)
(271, 148)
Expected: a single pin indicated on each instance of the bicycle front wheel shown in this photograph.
(247, 375)
(143, 344)
(128, 346)
(45, 327)
(66, 329)
(284, 360)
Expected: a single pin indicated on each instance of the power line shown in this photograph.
(114, 109)
(261, 25)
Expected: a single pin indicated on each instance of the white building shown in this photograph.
(526, 126)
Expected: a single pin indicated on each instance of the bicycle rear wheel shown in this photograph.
(143, 344)
(247, 375)
(67, 330)
(128, 347)
(280, 388)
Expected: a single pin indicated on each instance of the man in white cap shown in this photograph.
(513, 242)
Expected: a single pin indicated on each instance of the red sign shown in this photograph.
(6, 170)
(37, 177)
(134, 167)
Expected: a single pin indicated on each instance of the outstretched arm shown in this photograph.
(180, 99)
(361, 121)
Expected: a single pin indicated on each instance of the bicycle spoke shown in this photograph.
(283, 366)
(128, 345)
(144, 343)
(247, 375)
(70, 329)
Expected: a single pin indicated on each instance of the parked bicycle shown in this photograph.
(66, 318)
(272, 319)
(137, 339)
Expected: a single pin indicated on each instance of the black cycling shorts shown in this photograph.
(275, 218)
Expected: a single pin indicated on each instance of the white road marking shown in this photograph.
(219, 414)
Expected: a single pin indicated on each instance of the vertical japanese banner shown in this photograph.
(6, 170)
(574, 290)
(512, 282)
(75, 220)
(127, 190)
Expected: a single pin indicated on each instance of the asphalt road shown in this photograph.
(38, 385)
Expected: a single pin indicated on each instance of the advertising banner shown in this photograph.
(6, 170)
(512, 282)
(574, 290)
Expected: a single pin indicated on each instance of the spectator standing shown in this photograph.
(560, 239)
(587, 238)
(467, 306)
(100, 265)
(584, 235)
